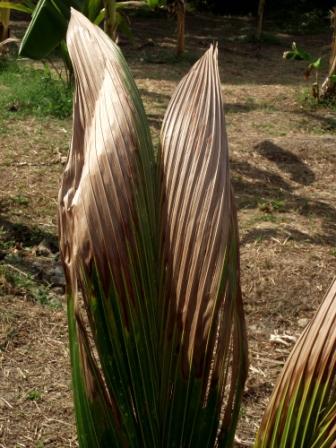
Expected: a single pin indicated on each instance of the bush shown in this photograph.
(27, 90)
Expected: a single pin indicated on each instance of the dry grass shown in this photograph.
(283, 170)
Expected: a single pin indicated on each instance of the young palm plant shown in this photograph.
(150, 251)
(151, 255)
(302, 409)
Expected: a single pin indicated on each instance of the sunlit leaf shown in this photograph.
(16, 7)
(301, 411)
(316, 64)
(204, 356)
(107, 223)
(297, 54)
(157, 330)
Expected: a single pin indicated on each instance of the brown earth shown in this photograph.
(283, 171)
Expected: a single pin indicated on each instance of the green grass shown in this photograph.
(274, 218)
(39, 444)
(25, 284)
(268, 218)
(25, 90)
(270, 206)
(5, 241)
(306, 99)
(34, 395)
(270, 129)
(20, 199)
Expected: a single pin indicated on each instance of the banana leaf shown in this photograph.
(46, 29)
(302, 410)
(48, 25)
(151, 255)
(22, 7)
(50, 19)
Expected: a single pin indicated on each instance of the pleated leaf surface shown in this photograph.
(107, 237)
(151, 256)
(302, 410)
(203, 332)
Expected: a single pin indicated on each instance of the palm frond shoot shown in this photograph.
(302, 409)
(151, 255)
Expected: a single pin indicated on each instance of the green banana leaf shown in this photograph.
(50, 20)
(22, 7)
(47, 28)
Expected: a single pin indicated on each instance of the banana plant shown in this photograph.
(151, 255)
(50, 20)
(298, 54)
(27, 6)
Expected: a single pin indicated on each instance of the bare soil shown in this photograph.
(283, 166)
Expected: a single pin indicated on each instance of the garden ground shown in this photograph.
(283, 166)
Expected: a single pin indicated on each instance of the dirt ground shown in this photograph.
(283, 166)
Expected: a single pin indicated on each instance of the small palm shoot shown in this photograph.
(151, 255)
(302, 409)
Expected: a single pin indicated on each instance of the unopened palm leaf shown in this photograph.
(151, 255)
(302, 409)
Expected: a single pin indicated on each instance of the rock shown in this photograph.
(303, 322)
(43, 249)
(56, 276)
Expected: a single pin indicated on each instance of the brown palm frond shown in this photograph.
(158, 342)
(107, 226)
(201, 287)
(301, 411)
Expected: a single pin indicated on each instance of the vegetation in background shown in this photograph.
(243, 7)
(260, 18)
(327, 90)
(4, 24)
(178, 9)
(47, 28)
(297, 54)
(26, 90)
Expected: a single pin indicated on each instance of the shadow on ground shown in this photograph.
(255, 185)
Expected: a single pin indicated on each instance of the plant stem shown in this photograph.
(180, 12)
(110, 25)
(260, 18)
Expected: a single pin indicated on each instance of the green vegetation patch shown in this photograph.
(26, 90)
(16, 281)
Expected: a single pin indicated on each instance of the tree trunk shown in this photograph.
(110, 24)
(328, 87)
(180, 13)
(260, 18)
